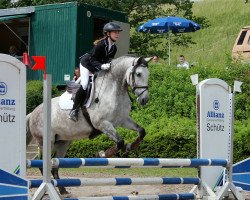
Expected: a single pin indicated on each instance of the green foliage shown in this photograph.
(242, 140)
(4, 4)
(34, 94)
(172, 93)
(88, 148)
(174, 137)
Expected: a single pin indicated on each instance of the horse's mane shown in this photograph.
(123, 58)
(120, 65)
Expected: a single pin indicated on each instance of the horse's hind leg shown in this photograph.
(108, 129)
(59, 150)
(130, 124)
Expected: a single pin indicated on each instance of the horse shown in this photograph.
(111, 110)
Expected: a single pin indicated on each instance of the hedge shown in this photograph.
(34, 94)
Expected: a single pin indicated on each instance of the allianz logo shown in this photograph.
(7, 102)
(3, 88)
(215, 114)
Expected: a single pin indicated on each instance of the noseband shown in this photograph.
(132, 78)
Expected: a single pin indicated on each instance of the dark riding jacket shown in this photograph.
(100, 54)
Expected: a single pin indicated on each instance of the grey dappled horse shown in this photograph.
(112, 110)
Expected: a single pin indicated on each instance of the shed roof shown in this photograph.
(6, 18)
(17, 11)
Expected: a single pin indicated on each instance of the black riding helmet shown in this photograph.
(111, 27)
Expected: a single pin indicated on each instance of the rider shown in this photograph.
(98, 59)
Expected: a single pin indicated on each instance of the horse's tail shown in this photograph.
(28, 133)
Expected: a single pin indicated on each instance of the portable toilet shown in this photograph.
(241, 49)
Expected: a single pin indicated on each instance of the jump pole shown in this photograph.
(46, 186)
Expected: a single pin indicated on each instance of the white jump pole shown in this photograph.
(46, 186)
(229, 185)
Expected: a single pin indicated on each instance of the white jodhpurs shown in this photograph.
(84, 74)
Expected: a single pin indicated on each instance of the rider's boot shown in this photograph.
(79, 99)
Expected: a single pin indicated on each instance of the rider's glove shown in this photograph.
(105, 66)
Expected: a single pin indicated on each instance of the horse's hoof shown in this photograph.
(102, 154)
(63, 191)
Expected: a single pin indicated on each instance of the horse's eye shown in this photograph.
(138, 74)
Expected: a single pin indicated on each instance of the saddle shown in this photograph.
(72, 87)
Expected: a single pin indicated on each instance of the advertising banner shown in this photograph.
(12, 115)
(214, 125)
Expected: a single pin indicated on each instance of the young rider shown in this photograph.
(98, 59)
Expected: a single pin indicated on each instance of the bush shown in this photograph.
(34, 94)
(175, 139)
(242, 140)
(172, 92)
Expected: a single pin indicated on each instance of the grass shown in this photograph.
(214, 44)
(138, 172)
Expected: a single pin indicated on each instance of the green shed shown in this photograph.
(61, 32)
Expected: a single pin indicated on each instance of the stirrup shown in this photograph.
(73, 115)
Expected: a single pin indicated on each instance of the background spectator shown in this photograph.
(76, 77)
(182, 62)
(13, 51)
(155, 58)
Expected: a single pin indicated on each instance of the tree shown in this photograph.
(4, 4)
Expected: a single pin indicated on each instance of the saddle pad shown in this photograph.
(66, 103)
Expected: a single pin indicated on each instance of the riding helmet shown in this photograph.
(111, 27)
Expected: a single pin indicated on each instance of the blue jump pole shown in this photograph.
(129, 162)
(144, 197)
(116, 181)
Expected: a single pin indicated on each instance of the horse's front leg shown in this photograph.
(130, 124)
(107, 128)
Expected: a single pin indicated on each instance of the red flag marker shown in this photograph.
(40, 64)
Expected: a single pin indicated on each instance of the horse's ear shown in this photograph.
(148, 59)
(138, 61)
(141, 60)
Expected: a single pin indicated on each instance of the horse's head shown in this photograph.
(137, 78)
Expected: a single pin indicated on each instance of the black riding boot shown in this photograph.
(79, 99)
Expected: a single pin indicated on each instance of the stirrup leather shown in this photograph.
(73, 115)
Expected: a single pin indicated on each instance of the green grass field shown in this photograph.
(214, 44)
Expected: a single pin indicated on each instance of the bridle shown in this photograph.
(132, 78)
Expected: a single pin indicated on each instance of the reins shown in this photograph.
(97, 98)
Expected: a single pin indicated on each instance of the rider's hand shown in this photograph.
(105, 66)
